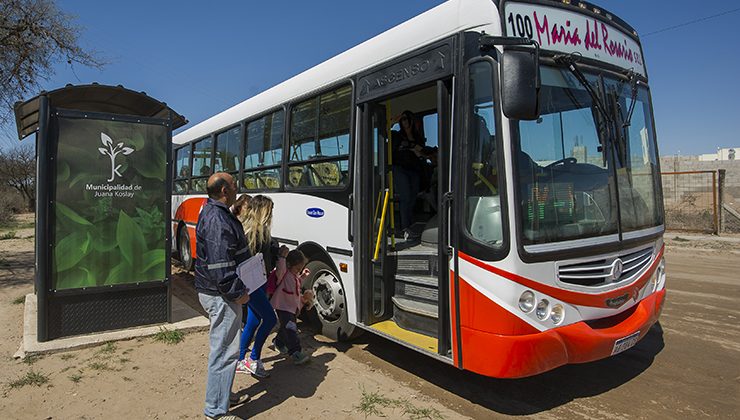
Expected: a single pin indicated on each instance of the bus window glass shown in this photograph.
(565, 182)
(182, 164)
(268, 179)
(326, 140)
(334, 122)
(636, 160)
(264, 151)
(198, 184)
(430, 123)
(202, 154)
(180, 187)
(303, 130)
(227, 150)
(483, 205)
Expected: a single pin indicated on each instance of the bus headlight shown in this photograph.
(543, 310)
(557, 314)
(660, 275)
(526, 302)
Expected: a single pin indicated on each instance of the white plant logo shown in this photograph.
(112, 152)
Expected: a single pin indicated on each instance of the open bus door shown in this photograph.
(404, 286)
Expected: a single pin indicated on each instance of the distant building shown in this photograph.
(579, 151)
(729, 153)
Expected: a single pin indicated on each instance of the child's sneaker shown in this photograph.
(256, 368)
(300, 358)
(279, 348)
(241, 366)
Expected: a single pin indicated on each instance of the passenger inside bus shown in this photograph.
(410, 166)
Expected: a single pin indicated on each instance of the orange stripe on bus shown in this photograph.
(188, 212)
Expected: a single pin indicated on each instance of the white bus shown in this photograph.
(534, 232)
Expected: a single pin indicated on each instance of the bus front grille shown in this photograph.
(617, 269)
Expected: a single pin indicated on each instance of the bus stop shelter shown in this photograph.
(103, 188)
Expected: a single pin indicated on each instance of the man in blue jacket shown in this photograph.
(220, 247)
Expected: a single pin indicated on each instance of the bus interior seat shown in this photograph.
(325, 174)
(296, 177)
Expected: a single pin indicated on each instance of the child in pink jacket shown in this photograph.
(288, 302)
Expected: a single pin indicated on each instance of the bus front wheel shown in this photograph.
(183, 245)
(330, 304)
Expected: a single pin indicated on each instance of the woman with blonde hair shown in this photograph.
(256, 217)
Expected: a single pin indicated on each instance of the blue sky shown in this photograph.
(202, 58)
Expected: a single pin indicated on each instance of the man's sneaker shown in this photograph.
(224, 417)
(236, 399)
(300, 358)
(282, 349)
(256, 368)
(241, 366)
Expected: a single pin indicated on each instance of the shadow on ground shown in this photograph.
(524, 396)
(264, 397)
(16, 269)
(520, 396)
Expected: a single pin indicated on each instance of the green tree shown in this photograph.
(34, 36)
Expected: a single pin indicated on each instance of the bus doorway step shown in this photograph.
(415, 315)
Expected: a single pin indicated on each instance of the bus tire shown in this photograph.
(183, 248)
(329, 313)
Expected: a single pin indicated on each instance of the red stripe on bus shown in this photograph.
(576, 298)
(497, 343)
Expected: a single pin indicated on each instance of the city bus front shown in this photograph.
(578, 273)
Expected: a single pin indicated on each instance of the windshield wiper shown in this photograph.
(633, 84)
(569, 60)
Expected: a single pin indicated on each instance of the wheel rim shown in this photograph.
(329, 296)
(184, 246)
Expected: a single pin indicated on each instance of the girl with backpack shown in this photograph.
(288, 301)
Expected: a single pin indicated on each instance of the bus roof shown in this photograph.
(444, 20)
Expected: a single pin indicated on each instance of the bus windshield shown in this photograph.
(574, 163)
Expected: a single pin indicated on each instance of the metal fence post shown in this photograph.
(714, 202)
(721, 201)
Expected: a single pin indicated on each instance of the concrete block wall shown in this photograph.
(681, 189)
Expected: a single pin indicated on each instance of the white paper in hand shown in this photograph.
(252, 272)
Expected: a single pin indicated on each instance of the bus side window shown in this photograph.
(202, 164)
(263, 152)
(320, 131)
(182, 170)
(227, 151)
(483, 205)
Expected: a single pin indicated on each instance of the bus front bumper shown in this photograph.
(516, 356)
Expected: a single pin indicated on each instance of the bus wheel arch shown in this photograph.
(329, 314)
(184, 253)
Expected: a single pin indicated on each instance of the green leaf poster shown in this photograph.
(109, 203)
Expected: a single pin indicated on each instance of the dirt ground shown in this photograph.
(687, 367)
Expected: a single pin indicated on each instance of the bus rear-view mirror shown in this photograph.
(520, 84)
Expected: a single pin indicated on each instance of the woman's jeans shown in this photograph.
(261, 319)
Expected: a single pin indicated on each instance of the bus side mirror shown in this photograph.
(520, 84)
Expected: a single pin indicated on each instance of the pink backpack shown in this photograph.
(272, 282)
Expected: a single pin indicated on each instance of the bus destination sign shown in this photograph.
(570, 32)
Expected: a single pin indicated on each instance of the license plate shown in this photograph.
(624, 343)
